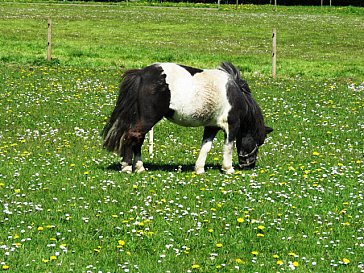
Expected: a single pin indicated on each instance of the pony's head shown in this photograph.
(248, 143)
(252, 132)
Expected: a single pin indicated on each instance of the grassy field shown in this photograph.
(65, 207)
(312, 42)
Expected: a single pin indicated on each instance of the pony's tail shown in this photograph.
(125, 113)
(235, 73)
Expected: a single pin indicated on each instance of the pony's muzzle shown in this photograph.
(248, 161)
(247, 165)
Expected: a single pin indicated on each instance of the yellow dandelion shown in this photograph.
(279, 262)
(219, 245)
(97, 250)
(195, 266)
(345, 261)
(315, 153)
(260, 235)
(240, 220)
(275, 256)
(187, 251)
(121, 243)
(52, 258)
(210, 230)
(5, 267)
(255, 253)
(295, 264)
(40, 228)
(261, 227)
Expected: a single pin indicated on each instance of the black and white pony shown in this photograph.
(217, 99)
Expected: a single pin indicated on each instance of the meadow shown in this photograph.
(65, 206)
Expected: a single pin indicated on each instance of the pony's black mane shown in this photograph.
(235, 73)
(252, 117)
(250, 104)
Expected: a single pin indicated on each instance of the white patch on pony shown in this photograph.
(198, 100)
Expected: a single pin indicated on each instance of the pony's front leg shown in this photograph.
(200, 163)
(208, 136)
(227, 162)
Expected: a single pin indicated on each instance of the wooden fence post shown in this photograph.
(274, 54)
(49, 51)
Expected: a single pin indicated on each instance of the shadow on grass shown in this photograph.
(165, 167)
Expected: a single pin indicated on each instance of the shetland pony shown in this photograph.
(217, 99)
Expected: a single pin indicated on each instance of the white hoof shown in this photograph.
(139, 168)
(229, 170)
(125, 168)
(200, 170)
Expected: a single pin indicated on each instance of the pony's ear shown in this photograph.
(268, 130)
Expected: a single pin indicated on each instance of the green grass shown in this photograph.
(64, 206)
(312, 42)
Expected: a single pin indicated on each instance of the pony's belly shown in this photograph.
(195, 119)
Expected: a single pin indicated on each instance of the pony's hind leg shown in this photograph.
(126, 167)
(138, 166)
(126, 155)
(133, 141)
(131, 144)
